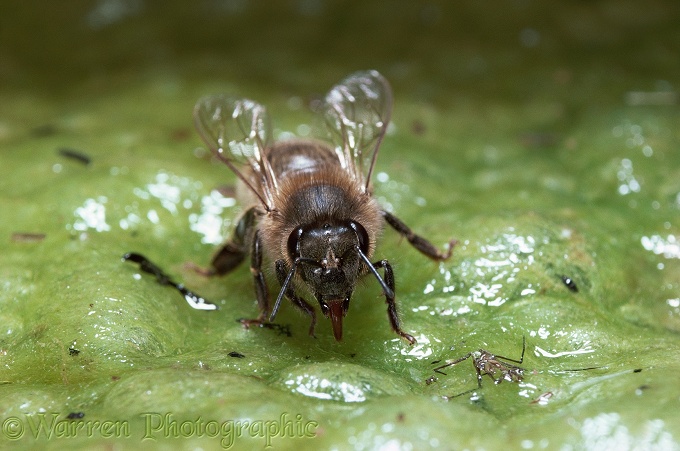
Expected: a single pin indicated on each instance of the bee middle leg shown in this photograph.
(390, 299)
(421, 244)
(233, 252)
(281, 273)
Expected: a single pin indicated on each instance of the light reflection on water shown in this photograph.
(209, 222)
(173, 193)
(322, 388)
(491, 278)
(668, 246)
(540, 352)
(608, 430)
(91, 215)
(394, 193)
(421, 350)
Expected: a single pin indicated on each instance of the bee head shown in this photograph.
(331, 264)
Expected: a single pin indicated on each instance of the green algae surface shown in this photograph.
(540, 136)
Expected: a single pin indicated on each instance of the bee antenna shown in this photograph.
(389, 293)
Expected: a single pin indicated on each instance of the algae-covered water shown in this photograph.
(543, 136)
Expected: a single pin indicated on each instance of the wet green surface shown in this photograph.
(544, 137)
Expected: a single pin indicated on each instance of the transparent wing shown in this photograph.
(357, 111)
(237, 131)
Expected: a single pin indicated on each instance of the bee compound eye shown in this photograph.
(362, 236)
(294, 243)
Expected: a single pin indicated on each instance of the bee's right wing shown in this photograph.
(357, 111)
(236, 131)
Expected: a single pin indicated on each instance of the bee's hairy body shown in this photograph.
(310, 208)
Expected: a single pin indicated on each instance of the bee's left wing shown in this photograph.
(357, 111)
(237, 131)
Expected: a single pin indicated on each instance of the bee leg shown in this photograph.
(281, 273)
(417, 241)
(233, 252)
(228, 257)
(260, 284)
(390, 299)
(256, 269)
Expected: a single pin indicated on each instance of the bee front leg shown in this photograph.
(281, 273)
(390, 299)
(261, 292)
(417, 241)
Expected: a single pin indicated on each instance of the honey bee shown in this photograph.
(310, 208)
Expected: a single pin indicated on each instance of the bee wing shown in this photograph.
(357, 111)
(237, 131)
